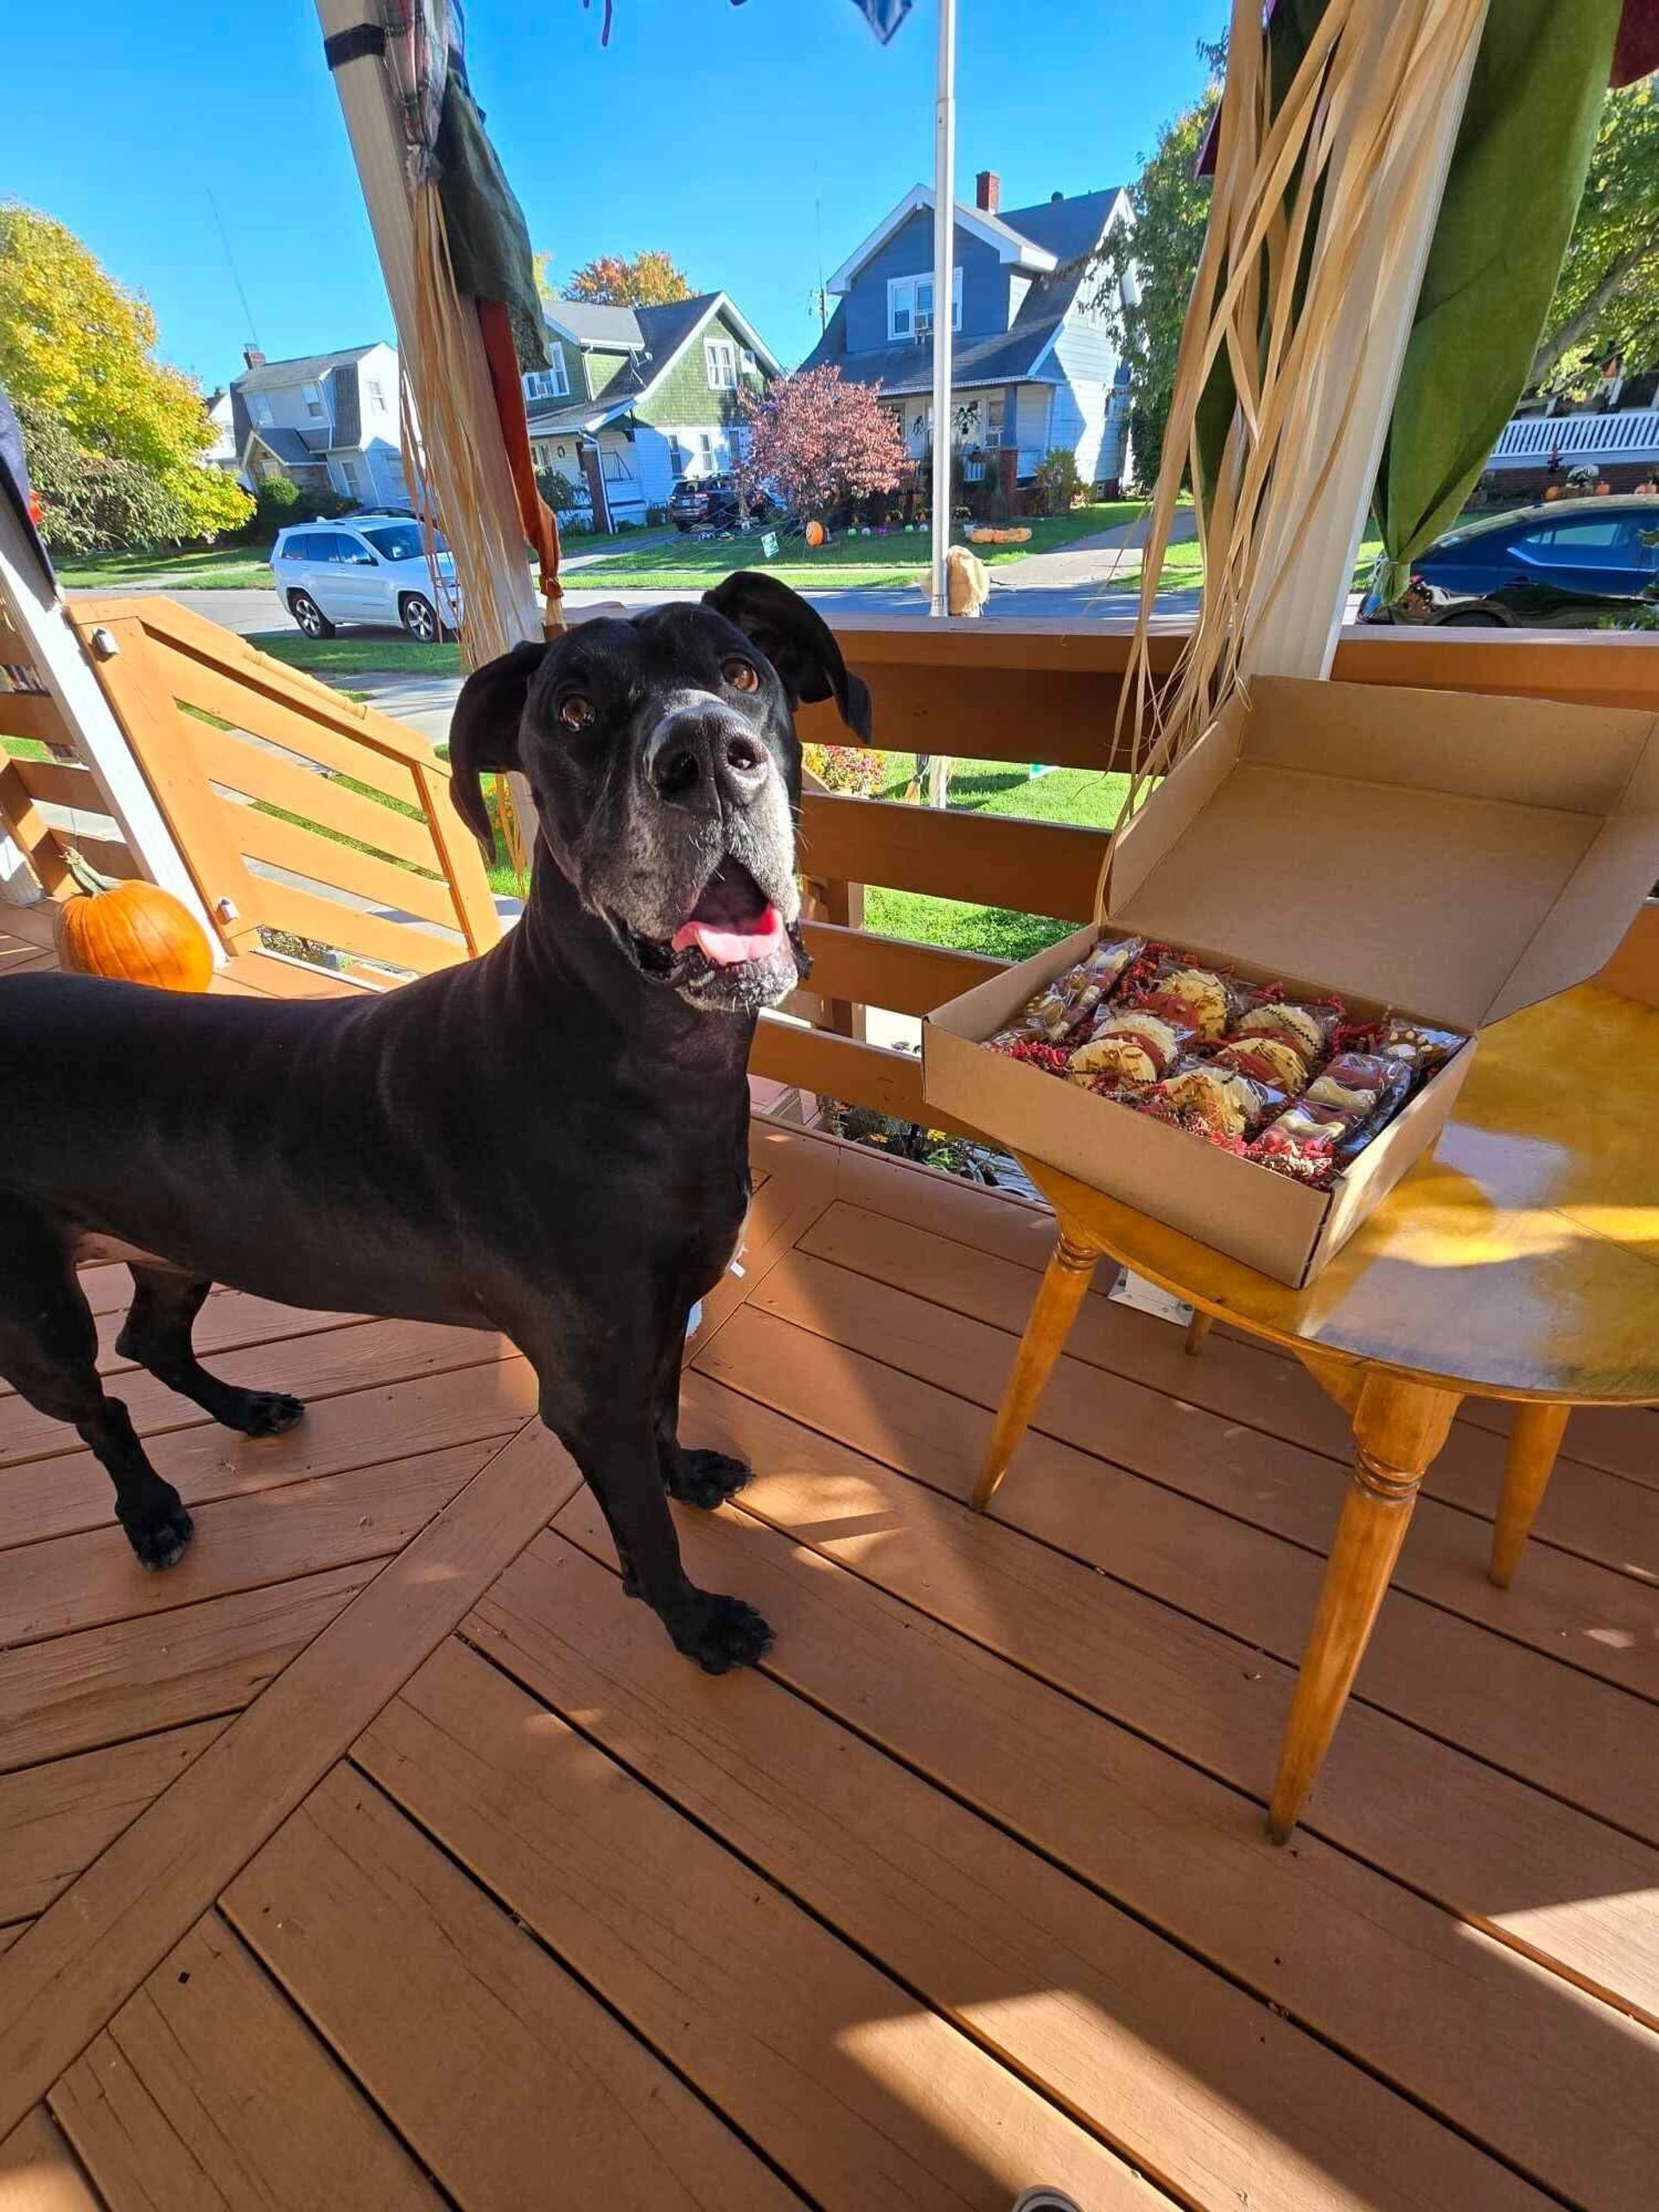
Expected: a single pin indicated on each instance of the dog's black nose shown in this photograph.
(704, 761)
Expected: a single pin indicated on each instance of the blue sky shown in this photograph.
(756, 143)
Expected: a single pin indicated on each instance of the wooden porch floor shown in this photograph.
(382, 1855)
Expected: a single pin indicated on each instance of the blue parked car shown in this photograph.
(1569, 564)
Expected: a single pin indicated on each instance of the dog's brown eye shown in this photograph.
(577, 713)
(740, 675)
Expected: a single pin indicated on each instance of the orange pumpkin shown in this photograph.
(136, 931)
(815, 534)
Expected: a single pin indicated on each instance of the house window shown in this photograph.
(677, 458)
(747, 363)
(376, 392)
(614, 465)
(259, 407)
(721, 355)
(550, 383)
(910, 306)
(993, 410)
(313, 400)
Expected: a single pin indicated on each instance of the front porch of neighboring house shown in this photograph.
(370, 476)
(1014, 426)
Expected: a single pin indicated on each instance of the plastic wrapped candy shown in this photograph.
(1357, 1083)
(1181, 990)
(1303, 1142)
(1309, 1025)
(1070, 1000)
(1270, 1059)
(1216, 1102)
(1415, 1046)
(1132, 1047)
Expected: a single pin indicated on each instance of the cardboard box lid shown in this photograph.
(1458, 855)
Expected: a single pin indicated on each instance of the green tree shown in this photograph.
(650, 280)
(1607, 299)
(1143, 274)
(89, 501)
(80, 348)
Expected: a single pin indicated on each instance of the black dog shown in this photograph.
(551, 1140)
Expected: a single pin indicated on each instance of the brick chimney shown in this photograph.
(987, 191)
(253, 356)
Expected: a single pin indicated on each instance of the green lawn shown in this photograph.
(358, 652)
(217, 568)
(898, 558)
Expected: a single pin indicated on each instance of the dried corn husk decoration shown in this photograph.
(1292, 222)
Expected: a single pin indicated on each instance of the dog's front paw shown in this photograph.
(723, 1633)
(263, 1412)
(162, 1537)
(704, 1478)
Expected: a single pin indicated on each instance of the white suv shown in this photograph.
(367, 569)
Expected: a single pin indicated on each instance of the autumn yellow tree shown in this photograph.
(78, 345)
(650, 280)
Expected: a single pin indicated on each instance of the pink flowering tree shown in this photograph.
(822, 443)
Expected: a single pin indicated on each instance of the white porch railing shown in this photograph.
(1632, 435)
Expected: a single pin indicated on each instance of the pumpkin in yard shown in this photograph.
(815, 534)
(135, 931)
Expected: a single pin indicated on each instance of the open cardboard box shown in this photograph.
(1438, 854)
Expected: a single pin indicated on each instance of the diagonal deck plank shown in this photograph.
(1602, 1516)
(77, 1582)
(85, 1956)
(1526, 1868)
(1525, 2063)
(1588, 1741)
(824, 2063)
(78, 1692)
(205, 2072)
(324, 1365)
(38, 2172)
(1208, 2090)
(532, 2093)
(381, 1421)
(55, 1819)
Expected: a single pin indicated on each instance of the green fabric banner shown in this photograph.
(1511, 197)
(489, 245)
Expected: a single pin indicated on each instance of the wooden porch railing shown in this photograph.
(302, 814)
(1001, 691)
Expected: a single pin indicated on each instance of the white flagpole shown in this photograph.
(944, 255)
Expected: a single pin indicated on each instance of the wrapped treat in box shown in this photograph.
(1433, 860)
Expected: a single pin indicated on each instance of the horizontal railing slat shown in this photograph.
(1038, 868)
(325, 800)
(304, 914)
(890, 972)
(847, 1068)
(307, 852)
(32, 714)
(61, 783)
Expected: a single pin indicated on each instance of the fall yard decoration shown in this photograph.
(135, 931)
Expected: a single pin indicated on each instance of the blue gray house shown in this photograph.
(1035, 362)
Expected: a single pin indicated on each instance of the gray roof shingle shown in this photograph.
(306, 368)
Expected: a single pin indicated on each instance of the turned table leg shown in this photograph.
(1399, 1425)
(1197, 1329)
(1065, 1280)
(1534, 1442)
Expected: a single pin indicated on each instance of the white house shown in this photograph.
(325, 420)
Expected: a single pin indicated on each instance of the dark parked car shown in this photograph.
(711, 503)
(1569, 565)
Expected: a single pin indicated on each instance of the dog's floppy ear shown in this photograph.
(796, 640)
(484, 733)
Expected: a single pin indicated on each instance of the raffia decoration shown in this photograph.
(1374, 71)
(438, 386)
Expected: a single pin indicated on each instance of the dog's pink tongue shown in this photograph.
(730, 948)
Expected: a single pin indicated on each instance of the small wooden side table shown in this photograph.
(1521, 1263)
